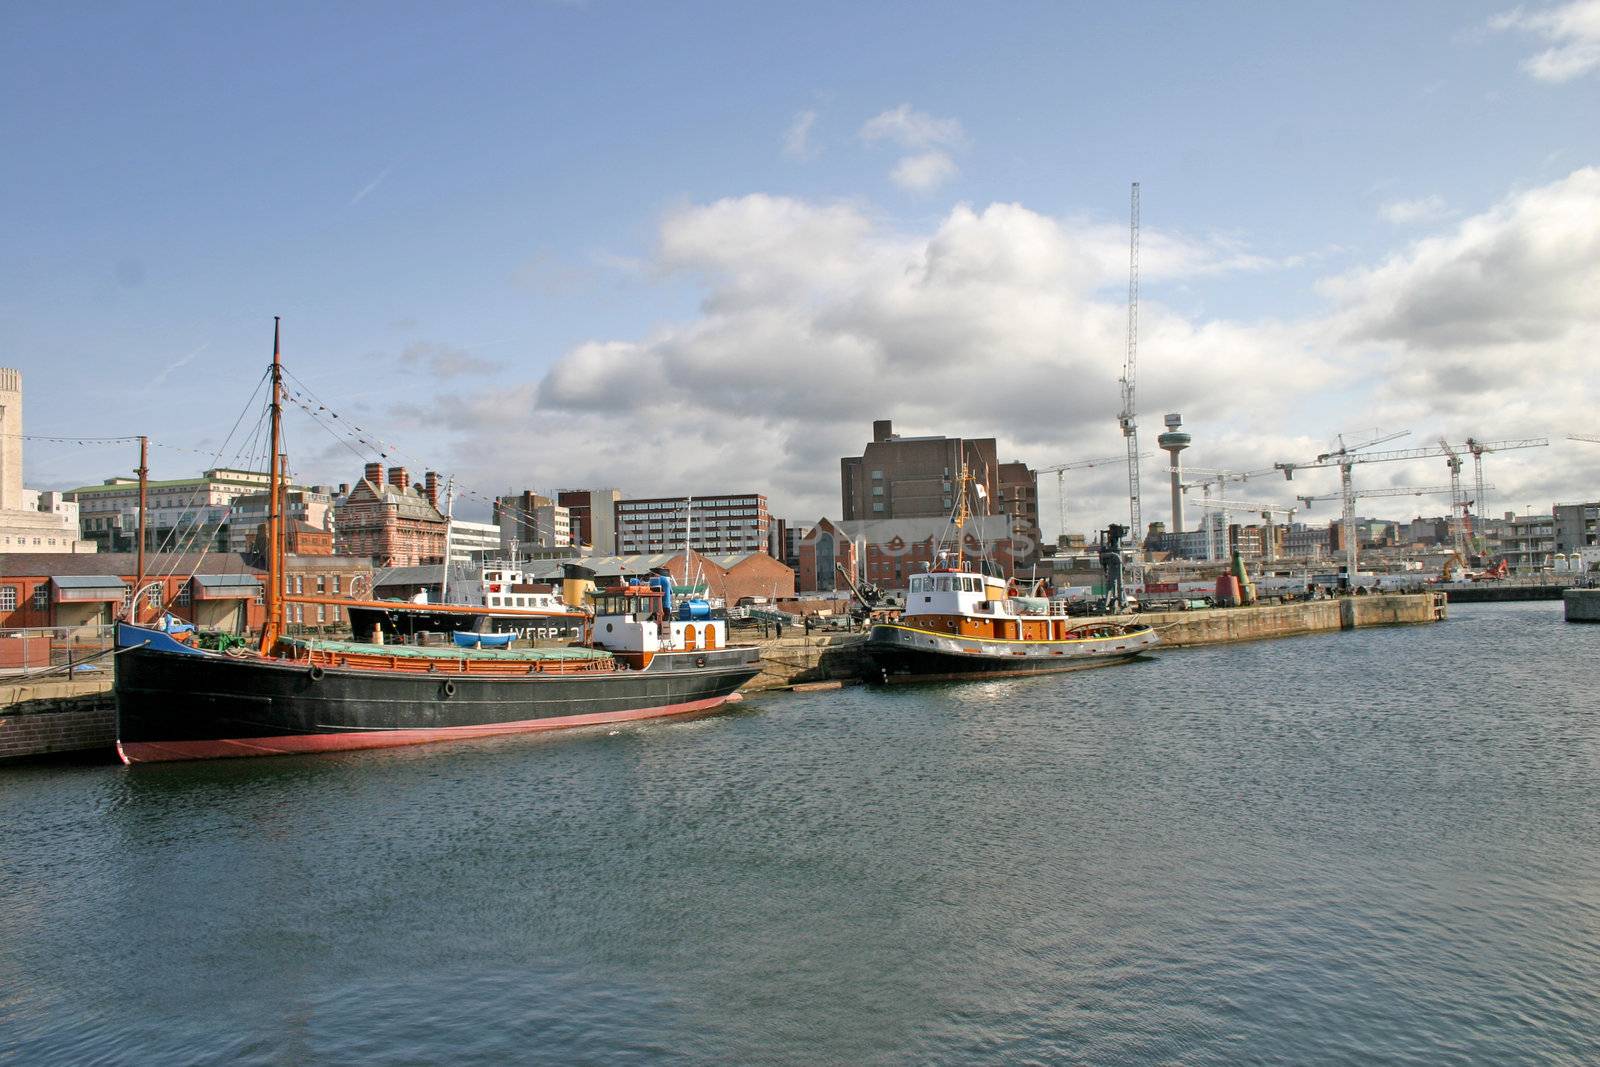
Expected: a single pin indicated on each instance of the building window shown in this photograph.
(877, 476)
(877, 507)
(336, 585)
(183, 596)
(41, 596)
(321, 616)
(152, 596)
(321, 585)
(8, 598)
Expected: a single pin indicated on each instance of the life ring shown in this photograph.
(699, 661)
(449, 688)
(316, 672)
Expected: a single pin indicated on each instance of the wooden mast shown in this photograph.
(144, 494)
(274, 592)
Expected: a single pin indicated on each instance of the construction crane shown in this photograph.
(1592, 438)
(1393, 490)
(1128, 419)
(1219, 479)
(1458, 502)
(1266, 511)
(1060, 471)
(1344, 457)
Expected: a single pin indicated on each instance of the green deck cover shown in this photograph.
(512, 655)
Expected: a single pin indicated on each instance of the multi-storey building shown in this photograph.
(311, 509)
(729, 523)
(529, 522)
(1528, 542)
(899, 477)
(470, 542)
(181, 513)
(1577, 526)
(393, 523)
(593, 516)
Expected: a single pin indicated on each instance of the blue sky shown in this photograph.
(499, 190)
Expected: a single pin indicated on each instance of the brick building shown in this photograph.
(393, 523)
(215, 590)
(593, 516)
(899, 477)
(889, 551)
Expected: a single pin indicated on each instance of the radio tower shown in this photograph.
(1130, 428)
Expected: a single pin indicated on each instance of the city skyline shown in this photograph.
(535, 246)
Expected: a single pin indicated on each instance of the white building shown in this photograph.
(30, 520)
(471, 542)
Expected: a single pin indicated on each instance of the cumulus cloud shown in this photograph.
(797, 141)
(1410, 212)
(927, 140)
(816, 318)
(1573, 33)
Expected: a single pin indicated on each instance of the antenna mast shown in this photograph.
(1130, 427)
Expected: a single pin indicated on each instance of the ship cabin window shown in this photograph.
(942, 584)
(640, 607)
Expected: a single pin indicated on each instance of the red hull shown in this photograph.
(167, 751)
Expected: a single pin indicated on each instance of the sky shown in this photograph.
(700, 247)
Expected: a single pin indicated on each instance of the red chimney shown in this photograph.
(374, 474)
(430, 488)
(399, 478)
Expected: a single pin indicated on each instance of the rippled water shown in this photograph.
(1378, 845)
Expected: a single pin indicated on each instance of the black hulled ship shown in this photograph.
(644, 657)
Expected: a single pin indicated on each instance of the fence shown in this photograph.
(54, 649)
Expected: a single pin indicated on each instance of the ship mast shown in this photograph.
(961, 518)
(274, 592)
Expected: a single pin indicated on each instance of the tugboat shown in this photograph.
(646, 657)
(963, 622)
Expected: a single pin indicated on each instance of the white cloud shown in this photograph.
(926, 138)
(797, 141)
(1410, 212)
(908, 128)
(923, 172)
(816, 318)
(1573, 31)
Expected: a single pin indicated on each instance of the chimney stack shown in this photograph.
(882, 430)
(399, 478)
(344, 488)
(374, 474)
(430, 488)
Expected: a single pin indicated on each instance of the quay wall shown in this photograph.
(798, 659)
(47, 718)
(1179, 629)
(1583, 605)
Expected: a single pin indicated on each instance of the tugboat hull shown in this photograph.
(176, 706)
(901, 653)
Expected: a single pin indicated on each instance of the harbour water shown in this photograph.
(1370, 846)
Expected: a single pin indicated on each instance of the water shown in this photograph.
(1373, 846)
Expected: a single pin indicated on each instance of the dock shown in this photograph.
(55, 716)
(1582, 605)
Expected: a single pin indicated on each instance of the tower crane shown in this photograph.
(1458, 505)
(1346, 456)
(1393, 490)
(1060, 469)
(1219, 479)
(1592, 438)
(1128, 417)
(1266, 511)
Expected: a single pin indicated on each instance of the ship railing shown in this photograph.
(66, 650)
